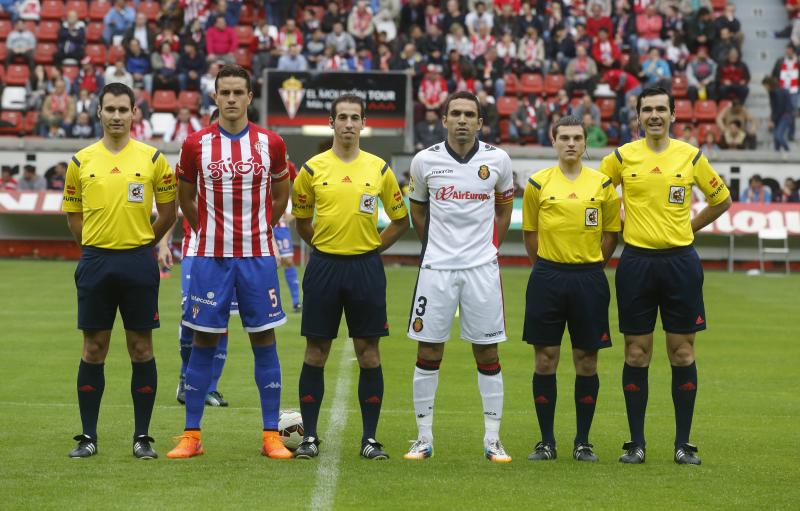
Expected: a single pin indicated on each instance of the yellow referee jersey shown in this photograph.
(657, 191)
(570, 215)
(344, 197)
(115, 193)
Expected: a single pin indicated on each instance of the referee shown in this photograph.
(659, 268)
(339, 189)
(570, 221)
(108, 197)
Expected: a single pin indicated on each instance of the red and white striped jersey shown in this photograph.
(233, 174)
(789, 74)
(189, 239)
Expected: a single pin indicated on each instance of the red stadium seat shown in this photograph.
(44, 53)
(531, 83)
(31, 118)
(607, 107)
(3, 51)
(245, 34)
(680, 86)
(723, 104)
(507, 105)
(189, 99)
(612, 141)
(678, 128)
(96, 53)
(164, 101)
(47, 31)
(80, 7)
(505, 131)
(683, 110)
(719, 5)
(553, 83)
(151, 9)
(705, 128)
(98, 10)
(52, 10)
(512, 84)
(94, 32)
(70, 72)
(705, 111)
(17, 74)
(2, 73)
(16, 120)
(5, 28)
(244, 57)
(115, 53)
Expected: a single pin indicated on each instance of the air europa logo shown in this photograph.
(220, 168)
(450, 192)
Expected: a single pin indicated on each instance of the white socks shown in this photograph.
(425, 384)
(491, 389)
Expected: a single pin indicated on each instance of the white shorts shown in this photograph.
(477, 291)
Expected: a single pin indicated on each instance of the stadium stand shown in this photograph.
(578, 24)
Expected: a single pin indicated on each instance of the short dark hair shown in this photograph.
(655, 91)
(568, 120)
(349, 98)
(232, 70)
(463, 94)
(117, 89)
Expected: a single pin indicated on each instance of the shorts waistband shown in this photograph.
(553, 265)
(89, 249)
(655, 252)
(345, 257)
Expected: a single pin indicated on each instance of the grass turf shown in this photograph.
(747, 410)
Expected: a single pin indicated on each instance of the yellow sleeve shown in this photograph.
(165, 182)
(711, 184)
(530, 206)
(72, 201)
(391, 196)
(611, 206)
(612, 167)
(303, 194)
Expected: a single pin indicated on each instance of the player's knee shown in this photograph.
(682, 355)
(94, 352)
(586, 365)
(317, 352)
(367, 353)
(485, 353)
(430, 351)
(637, 355)
(546, 362)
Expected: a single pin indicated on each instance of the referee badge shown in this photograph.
(591, 217)
(417, 325)
(135, 192)
(367, 204)
(677, 194)
(483, 172)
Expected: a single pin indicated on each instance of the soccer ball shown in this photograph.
(290, 428)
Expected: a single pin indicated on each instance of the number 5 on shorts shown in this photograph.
(273, 297)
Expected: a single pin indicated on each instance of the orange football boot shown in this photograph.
(273, 446)
(188, 446)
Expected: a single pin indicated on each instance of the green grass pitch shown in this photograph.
(745, 424)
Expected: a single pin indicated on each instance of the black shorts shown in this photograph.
(575, 295)
(670, 279)
(110, 279)
(354, 283)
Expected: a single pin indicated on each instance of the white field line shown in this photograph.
(328, 469)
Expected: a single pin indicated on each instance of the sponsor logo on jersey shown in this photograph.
(677, 194)
(483, 172)
(655, 170)
(493, 334)
(434, 149)
(135, 192)
(572, 196)
(115, 170)
(70, 190)
(714, 182)
(489, 148)
(591, 217)
(367, 204)
(346, 179)
(302, 198)
(228, 168)
(439, 172)
(450, 192)
(210, 295)
(167, 179)
(398, 196)
(417, 325)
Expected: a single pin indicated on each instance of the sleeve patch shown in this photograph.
(697, 157)
(75, 160)
(619, 156)
(606, 183)
(155, 156)
(308, 169)
(534, 183)
(384, 169)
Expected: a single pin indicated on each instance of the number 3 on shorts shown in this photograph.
(273, 297)
(422, 302)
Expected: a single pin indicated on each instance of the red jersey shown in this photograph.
(233, 174)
